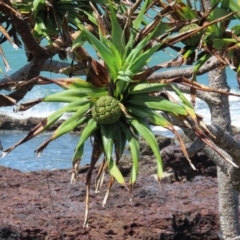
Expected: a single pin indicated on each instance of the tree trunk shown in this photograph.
(228, 197)
(220, 115)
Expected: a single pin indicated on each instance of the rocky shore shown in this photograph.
(44, 205)
(22, 124)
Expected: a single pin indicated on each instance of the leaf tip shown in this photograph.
(4, 154)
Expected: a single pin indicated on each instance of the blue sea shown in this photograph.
(58, 154)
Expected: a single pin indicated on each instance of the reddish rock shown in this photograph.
(44, 205)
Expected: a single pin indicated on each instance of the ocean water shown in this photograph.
(59, 153)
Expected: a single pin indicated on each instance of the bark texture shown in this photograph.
(228, 197)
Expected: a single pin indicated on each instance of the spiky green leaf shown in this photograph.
(157, 103)
(143, 128)
(152, 115)
(141, 60)
(118, 39)
(38, 5)
(120, 140)
(88, 130)
(134, 145)
(186, 104)
(200, 62)
(75, 93)
(146, 88)
(139, 19)
(104, 52)
(108, 136)
(73, 121)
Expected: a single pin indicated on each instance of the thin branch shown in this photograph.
(205, 96)
(35, 69)
(49, 66)
(225, 144)
(24, 31)
(211, 64)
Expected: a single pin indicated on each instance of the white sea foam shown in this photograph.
(45, 109)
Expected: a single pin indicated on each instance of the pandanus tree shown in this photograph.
(119, 100)
(116, 104)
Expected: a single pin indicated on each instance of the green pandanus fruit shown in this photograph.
(106, 110)
(195, 38)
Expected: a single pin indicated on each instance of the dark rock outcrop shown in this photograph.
(44, 205)
(175, 163)
(23, 124)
